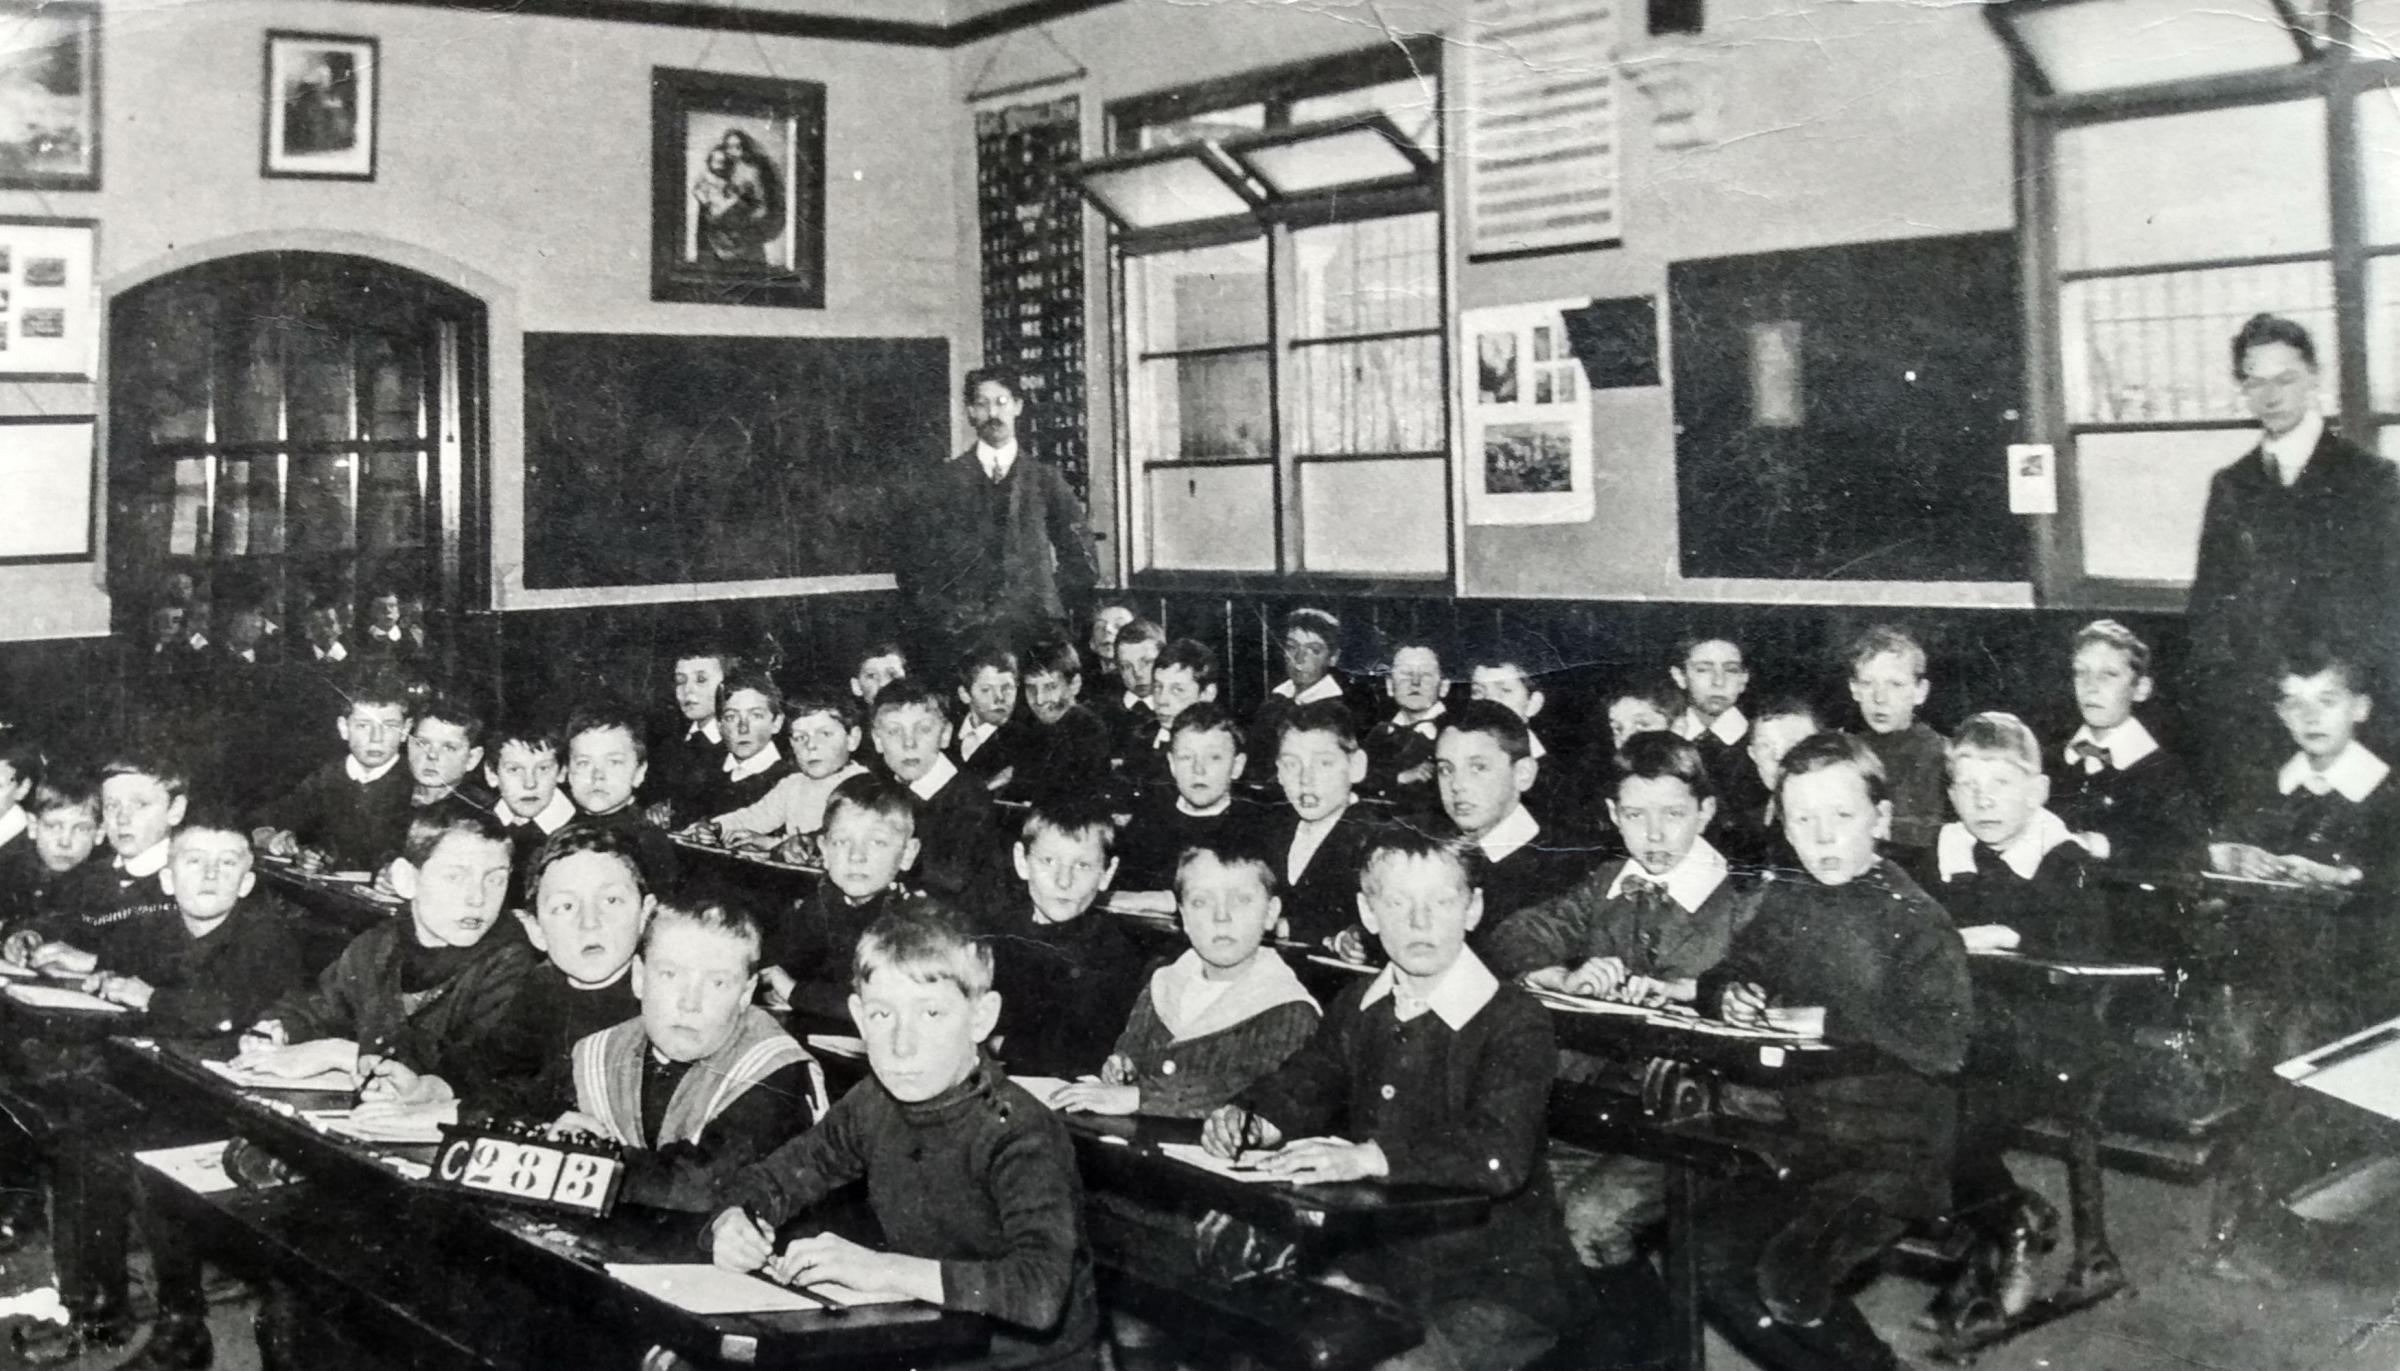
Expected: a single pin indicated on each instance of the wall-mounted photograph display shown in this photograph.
(737, 189)
(49, 311)
(1529, 427)
(320, 120)
(49, 95)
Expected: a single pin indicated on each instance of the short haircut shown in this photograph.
(1996, 733)
(576, 839)
(1140, 631)
(717, 914)
(378, 689)
(213, 819)
(2261, 329)
(452, 710)
(533, 737)
(158, 766)
(1885, 638)
(1686, 645)
(1232, 854)
(843, 708)
(23, 756)
(1053, 657)
(2314, 656)
(996, 374)
(906, 693)
(63, 788)
(727, 662)
(1402, 642)
(1660, 695)
(1194, 656)
(929, 942)
(1073, 817)
(1495, 721)
(1824, 751)
(986, 657)
(1391, 842)
(752, 679)
(431, 826)
(1787, 707)
(1660, 756)
(880, 796)
(1529, 661)
(884, 648)
(1321, 716)
(1206, 717)
(1310, 619)
(600, 719)
(2110, 633)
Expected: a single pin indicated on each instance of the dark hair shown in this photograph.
(531, 736)
(1787, 707)
(1879, 640)
(1141, 631)
(23, 756)
(379, 688)
(988, 655)
(998, 375)
(727, 662)
(1206, 717)
(1659, 757)
(2113, 634)
(1320, 716)
(752, 679)
(928, 941)
(1231, 852)
(2259, 330)
(158, 766)
(1193, 656)
(880, 796)
(66, 789)
(2309, 658)
(1388, 841)
(437, 822)
(1495, 721)
(575, 839)
(450, 709)
(717, 914)
(1685, 644)
(1824, 751)
(886, 647)
(1072, 816)
(907, 691)
(843, 709)
(213, 819)
(1310, 619)
(599, 719)
(1659, 695)
(1053, 657)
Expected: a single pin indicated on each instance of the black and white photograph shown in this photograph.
(49, 95)
(738, 181)
(321, 106)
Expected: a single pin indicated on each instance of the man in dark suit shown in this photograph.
(2301, 540)
(1003, 549)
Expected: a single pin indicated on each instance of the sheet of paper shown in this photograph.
(385, 1123)
(2075, 968)
(1580, 1004)
(699, 1288)
(13, 972)
(1193, 1154)
(1043, 1088)
(199, 1168)
(2362, 1069)
(840, 1044)
(332, 1080)
(59, 997)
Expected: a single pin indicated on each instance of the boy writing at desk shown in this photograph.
(972, 1182)
(349, 814)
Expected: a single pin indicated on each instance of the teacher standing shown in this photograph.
(1001, 549)
(2301, 541)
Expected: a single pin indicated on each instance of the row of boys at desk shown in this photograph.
(1445, 1085)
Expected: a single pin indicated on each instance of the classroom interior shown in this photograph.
(1884, 312)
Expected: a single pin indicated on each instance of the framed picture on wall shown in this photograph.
(49, 95)
(49, 308)
(320, 112)
(48, 467)
(737, 189)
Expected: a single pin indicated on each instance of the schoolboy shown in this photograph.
(350, 814)
(1218, 1017)
(321, 629)
(1642, 707)
(1067, 979)
(1185, 675)
(66, 830)
(688, 750)
(2329, 817)
(142, 799)
(2013, 880)
(1126, 709)
(823, 736)
(445, 746)
(989, 743)
(2127, 800)
(957, 854)
(1483, 768)
(701, 1082)
(21, 771)
(870, 837)
(606, 764)
(1311, 644)
(1316, 841)
(1858, 939)
(525, 768)
(1433, 1072)
(972, 1182)
(1887, 682)
(1712, 674)
(750, 714)
(384, 635)
(881, 664)
(1100, 646)
(1400, 748)
(1066, 748)
(1753, 837)
(1205, 757)
(417, 993)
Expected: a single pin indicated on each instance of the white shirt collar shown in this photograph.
(1729, 727)
(2290, 453)
(12, 823)
(1326, 688)
(1533, 746)
(1511, 833)
(706, 728)
(551, 818)
(2354, 774)
(974, 733)
(996, 461)
(1954, 846)
(1427, 723)
(936, 776)
(149, 861)
(2127, 743)
(363, 776)
(761, 762)
(1456, 999)
(1689, 882)
(1134, 702)
(335, 653)
(1224, 802)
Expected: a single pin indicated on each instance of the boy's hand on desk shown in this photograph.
(385, 1081)
(65, 958)
(275, 842)
(776, 986)
(313, 860)
(1745, 1003)
(577, 1124)
(301, 1059)
(2241, 859)
(1989, 938)
(1117, 1070)
(1097, 1097)
(383, 883)
(800, 849)
(130, 991)
(735, 1243)
(18, 947)
(2308, 872)
(1317, 1161)
(661, 815)
(1652, 992)
(1350, 945)
(832, 1257)
(260, 1037)
(1601, 978)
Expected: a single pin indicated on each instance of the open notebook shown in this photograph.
(2362, 1069)
(699, 1288)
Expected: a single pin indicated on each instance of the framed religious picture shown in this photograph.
(737, 189)
(49, 95)
(320, 117)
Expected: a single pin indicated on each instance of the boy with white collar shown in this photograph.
(989, 740)
(1484, 769)
(1205, 757)
(2328, 818)
(957, 852)
(689, 751)
(352, 814)
(142, 801)
(1712, 674)
(2125, 800)
(1400, 749)
(1311, 644)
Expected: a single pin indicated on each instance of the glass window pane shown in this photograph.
(2142, 496)
(391, 501)
(324, 506)
(1413, 102)
(1380, 518)
(255, 413)
(2375, 28)
(1212, 519)
(249, 510)
(2248, 181)
(2110, 44)
(1178, 190)
(188, 494)
(1205, 298)
(166, 385)
(1199, 409)
(2379, 159)
(1374, 276)
(2151, 348)
(1192, 128)
(316, 363)
(393, 386)
(1379, 396)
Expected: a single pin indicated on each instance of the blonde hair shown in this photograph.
(929, 942)
(1882, 639)
(1995, 733)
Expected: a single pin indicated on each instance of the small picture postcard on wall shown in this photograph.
(49, 307)
(737, 190)
(320, 107)
(49, 95)
(1529, 428)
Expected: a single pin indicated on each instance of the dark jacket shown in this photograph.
(361, 997)
(1324, 901)
(662, 865)
(958, 845)
(816, 940)
(1009, 551)
(1066, 758)
(523, 1070)
(1154, 838)
(2150, 812)
(1066, 989)
(1653, 937)
(362, 826)
(215, 984)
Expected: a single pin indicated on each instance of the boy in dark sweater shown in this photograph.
(1484, 770)
(1887, 682)
(1206, 759)
(66, 829)
(349, 815)
(1433, 1072)
(1066, 745)
(1186, 675)
(1511, 677)
(972, 1182)
(957, 848)
(1400, 748)
(1125, 706)
(1860, 941)
(1753, 837)
(1712, 675)
(2126, 800)
(142, 799)
(445, 746)
(1311, 644)
(869, 839)
(525, 767)
(1317, 840)
(1067, 977)
(751, 719)
(690, 751)
(990, 739)
(606, 764)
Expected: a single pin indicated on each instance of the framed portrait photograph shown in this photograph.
(320, 116)
(737, 189)
(49, 95)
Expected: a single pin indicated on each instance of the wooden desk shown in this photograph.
(762, 877)
(519, 1270)
(331, 913)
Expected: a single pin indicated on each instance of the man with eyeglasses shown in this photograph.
(2301, 540)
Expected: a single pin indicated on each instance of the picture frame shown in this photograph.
(50, 466)
(320, 111)
(49, 300)
(737, 190)
(50, 95)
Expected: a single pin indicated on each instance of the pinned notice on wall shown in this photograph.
(1529, 416)
(2032, 478)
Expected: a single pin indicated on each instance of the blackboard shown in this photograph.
(661, 460)
(1844, 412)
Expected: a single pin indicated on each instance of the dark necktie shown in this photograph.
(2091, 754)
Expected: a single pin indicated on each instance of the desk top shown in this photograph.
(2236, 890)
(352, 902)
(761, 861)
